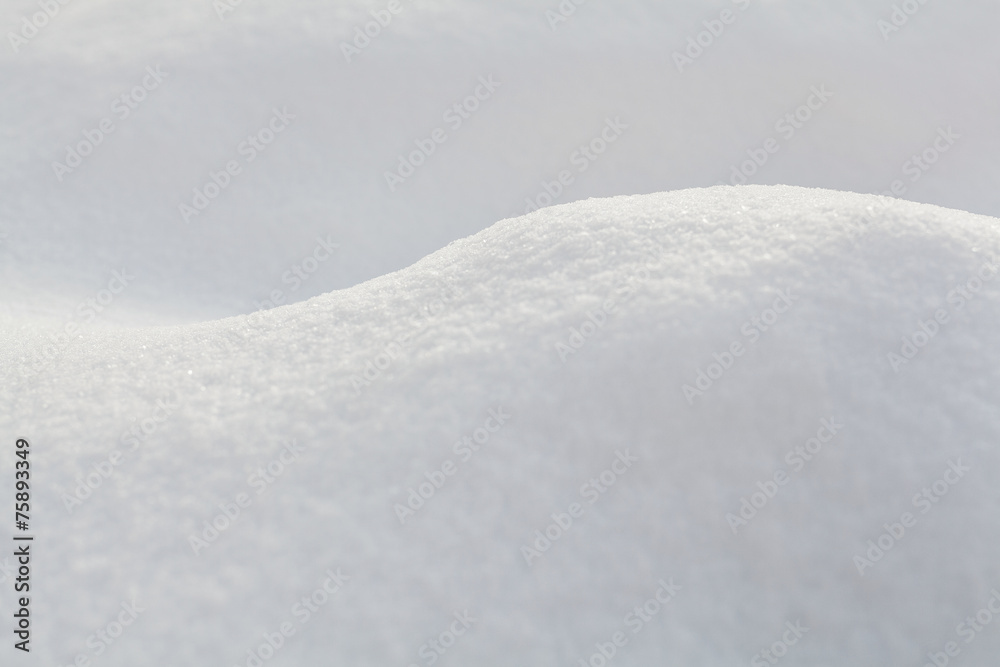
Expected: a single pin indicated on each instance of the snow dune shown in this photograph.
(324, 174)
(706, 402)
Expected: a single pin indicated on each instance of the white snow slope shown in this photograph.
(378, 385)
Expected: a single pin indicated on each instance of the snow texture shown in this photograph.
(757, 386)
(483, 325)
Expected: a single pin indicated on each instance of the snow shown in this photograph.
(325, 173)
(717, 401)
(478, 325)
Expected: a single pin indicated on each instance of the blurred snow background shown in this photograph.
(325, 174)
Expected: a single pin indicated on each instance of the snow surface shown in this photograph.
(687, 270)
(404, 339)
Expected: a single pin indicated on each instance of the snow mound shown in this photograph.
(683, 427)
